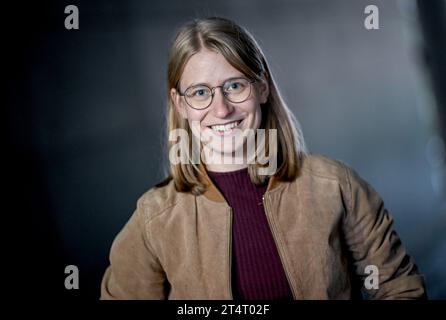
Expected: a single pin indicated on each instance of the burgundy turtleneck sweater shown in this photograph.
(257, 270)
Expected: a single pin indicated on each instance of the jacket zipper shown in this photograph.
(230, 253)
(278, 248)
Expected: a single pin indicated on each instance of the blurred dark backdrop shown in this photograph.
(85, 118)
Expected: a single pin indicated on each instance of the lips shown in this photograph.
(222, 128)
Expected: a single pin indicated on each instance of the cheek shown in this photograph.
(258, 116)
(253, 114)
(251, 107)
(255, 111)
(194, 118)
(195, 115)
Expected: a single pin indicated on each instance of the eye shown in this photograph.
(198, 92)
(236, 85)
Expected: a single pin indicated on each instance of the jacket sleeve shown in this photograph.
(134, 271)
(372, 241)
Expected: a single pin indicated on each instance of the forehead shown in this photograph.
(207, 67)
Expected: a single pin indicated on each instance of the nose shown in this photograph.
(220, 106)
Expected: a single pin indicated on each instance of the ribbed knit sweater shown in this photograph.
(257, 271)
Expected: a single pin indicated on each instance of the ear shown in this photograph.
(179, 106)
(263, 88)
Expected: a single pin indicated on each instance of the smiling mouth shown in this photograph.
(220, 128)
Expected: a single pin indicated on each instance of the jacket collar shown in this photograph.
(212, 193)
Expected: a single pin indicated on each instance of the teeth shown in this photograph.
(225, 127)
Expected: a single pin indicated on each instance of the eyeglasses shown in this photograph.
(235, 90)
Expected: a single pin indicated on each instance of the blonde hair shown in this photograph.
(241, 50)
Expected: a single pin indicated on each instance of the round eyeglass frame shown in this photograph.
(212, 89)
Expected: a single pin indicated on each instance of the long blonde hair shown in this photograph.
(242, 51)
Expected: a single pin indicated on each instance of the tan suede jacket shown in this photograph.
(328, 225)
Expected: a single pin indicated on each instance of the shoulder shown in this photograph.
(352, 185)
(160, 199)
(321, 167)
(325, 168)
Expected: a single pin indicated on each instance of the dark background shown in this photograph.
(85, 118)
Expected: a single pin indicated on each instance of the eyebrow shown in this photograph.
(208, 85)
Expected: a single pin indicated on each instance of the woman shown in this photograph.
(244, 218)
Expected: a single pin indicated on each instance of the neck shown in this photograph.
(224, 162)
